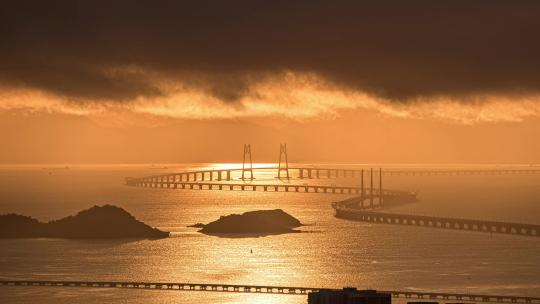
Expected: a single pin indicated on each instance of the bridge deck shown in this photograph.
(330, 189)
(321, 172)
(265, 289)
(343, 210)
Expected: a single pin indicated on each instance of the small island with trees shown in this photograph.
(260, 223)
(98, 222)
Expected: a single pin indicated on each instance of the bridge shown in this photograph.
(315, 172)
(321, 173)
(369, 208)
(284, 171)
(327, 189)
(366, 206)
(222, 179)
(361, 214)
(264, 289)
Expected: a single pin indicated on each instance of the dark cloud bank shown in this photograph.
(394, 49)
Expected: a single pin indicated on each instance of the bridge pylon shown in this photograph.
(371, 188)
(362, 188)
(283, 161)
(380, 188)
(247, 167)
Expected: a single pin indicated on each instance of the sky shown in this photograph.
(341, 81)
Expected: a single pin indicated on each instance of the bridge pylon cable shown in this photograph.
(371, 188)
(247, 166)
(362, 194)
(283, 164)
(380, 188)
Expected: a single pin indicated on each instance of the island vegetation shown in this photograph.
(260, 222)
(98, 222)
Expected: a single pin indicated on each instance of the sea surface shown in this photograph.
(329, 252)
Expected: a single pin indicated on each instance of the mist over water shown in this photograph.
(331, 253)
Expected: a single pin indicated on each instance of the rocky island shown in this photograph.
(260, 222)
(98, 222)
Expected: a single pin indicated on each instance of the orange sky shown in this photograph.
(357, 81)
(354, 136)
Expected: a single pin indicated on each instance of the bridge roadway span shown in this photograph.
(329, 189)
(347, 209)
(316, 173)
(306, 172)
(266, 290)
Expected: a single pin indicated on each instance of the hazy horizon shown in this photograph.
(342, 139)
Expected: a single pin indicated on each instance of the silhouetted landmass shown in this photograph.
(19, 226)
(198, 225)
(260, 222)
(105, 222)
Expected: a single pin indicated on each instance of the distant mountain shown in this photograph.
(254, 222)
(98, 222)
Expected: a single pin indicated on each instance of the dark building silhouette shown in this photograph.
(349, 296)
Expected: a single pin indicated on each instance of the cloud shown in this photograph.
(293, 96)
(220, 53)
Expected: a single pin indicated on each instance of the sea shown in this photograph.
(328, 253)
